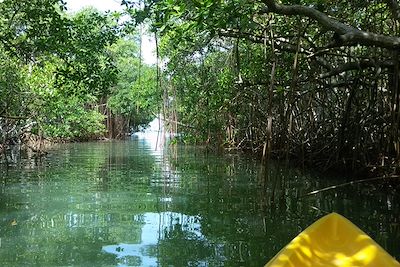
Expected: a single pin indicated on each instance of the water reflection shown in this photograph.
(153, 136)
(127, 204)
(157, 227)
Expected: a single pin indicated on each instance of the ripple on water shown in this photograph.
(126, 203)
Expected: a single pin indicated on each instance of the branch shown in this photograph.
(363, 64)
(174, 121)
(383, 178)
(282, 44)
(345, 35)
(234, 33)
(13, 117)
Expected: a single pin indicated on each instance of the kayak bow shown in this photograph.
(332, 241)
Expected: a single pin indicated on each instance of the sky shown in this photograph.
(102, 5)
(148, 43)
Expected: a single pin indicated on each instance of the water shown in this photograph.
(127, 204)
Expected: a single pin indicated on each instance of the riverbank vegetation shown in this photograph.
(313, 81)
(69, 76)
(307, 80)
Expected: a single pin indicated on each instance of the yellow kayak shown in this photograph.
(332, 241)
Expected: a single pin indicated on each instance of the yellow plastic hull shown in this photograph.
(332, 241)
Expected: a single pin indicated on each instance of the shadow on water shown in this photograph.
(129, 204)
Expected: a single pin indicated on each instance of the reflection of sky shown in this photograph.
(152, 135)
(152, 232)
(154, 138)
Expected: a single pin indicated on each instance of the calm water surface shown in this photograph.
(126, 204)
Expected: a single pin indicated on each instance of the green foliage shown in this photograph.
(13, 90)
(135, 96)
(89, 67)
(71, 120)
(58, 116)
(14, 97)
(252, 75)
(56, 69)
(32, 27)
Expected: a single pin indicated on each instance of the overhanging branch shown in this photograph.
(281, 43)
(363, 64)
(345, 35)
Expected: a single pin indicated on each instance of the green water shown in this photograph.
(126, 204)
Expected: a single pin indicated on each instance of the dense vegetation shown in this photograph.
(69, 76)
(310, 80)
(313, 80)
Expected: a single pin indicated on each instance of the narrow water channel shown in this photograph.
(127, 204)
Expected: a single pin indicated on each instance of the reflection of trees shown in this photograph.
(181, 248)
(67, 209)
(248, 214)
(181, 242)
(211, 209)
